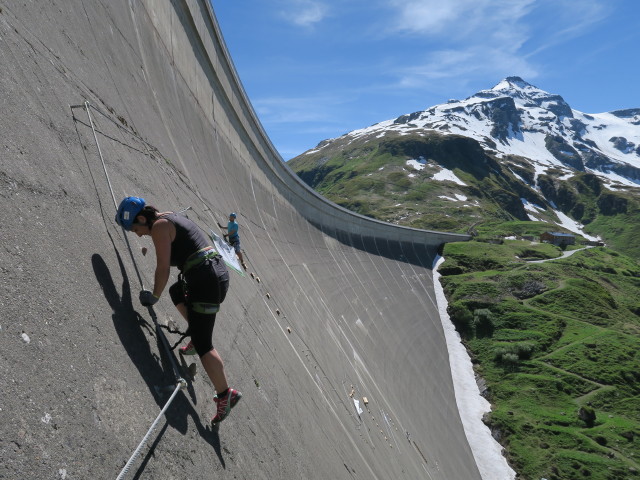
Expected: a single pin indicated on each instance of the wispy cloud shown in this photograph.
(474, 38)
(459, 19)
(304, 13)
(312, 118)
(572, 21)
(287, 110)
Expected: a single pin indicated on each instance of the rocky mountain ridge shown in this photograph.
(517, 118)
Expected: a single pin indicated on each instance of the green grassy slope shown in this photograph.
(371, 176)
(557, 344)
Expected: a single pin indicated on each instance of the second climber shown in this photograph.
(233, 237)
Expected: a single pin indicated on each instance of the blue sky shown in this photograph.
(316, 69)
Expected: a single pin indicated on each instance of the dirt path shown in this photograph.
(564, 255)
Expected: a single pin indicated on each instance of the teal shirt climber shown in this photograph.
(232, 229)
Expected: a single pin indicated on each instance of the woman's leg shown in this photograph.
(200, 282)
(182, 308)
(213, 365)
(211, 361)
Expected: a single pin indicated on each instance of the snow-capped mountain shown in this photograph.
(517, 118)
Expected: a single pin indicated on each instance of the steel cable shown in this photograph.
(180, 381)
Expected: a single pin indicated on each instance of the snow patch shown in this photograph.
(519, 177)
(573, 226)
(417, 164)
(447, 175)
(532, 207)
(471, 405)
(614, 177)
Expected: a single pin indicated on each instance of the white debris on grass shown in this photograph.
(471, 405)
(462, 198)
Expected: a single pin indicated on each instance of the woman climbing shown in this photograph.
(201, 287)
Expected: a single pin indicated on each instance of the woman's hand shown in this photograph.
(147, 298)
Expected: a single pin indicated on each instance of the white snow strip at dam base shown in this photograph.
(471, 405)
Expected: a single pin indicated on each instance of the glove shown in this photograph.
(147, 298)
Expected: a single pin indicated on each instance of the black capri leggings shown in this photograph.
(208, 283)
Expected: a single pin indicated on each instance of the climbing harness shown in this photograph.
(194, 260)
(198, 258)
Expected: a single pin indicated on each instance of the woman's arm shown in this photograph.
(163, 233)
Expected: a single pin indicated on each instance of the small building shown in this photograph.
(558, 238)
(594, 243)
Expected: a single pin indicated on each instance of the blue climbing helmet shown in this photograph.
(232, 214)
(129, 208)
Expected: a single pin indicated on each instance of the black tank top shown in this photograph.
(189, 239)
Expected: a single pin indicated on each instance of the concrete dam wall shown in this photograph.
(339, 306)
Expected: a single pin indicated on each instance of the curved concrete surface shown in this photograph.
(344, 308)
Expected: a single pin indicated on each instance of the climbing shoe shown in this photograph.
(188, 350)
(225, 404)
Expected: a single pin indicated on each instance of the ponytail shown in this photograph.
(150, 213)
